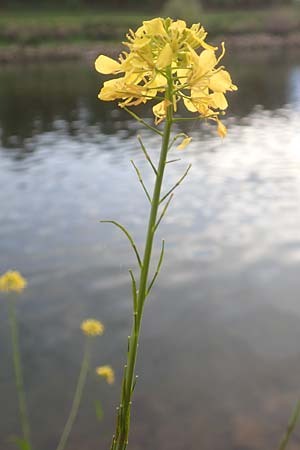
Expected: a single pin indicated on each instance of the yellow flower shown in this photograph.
(184, 143)
(12, 281)
(106, 372)
(163, 52)
(92, 327)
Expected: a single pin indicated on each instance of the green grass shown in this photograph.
(36, 27)
(52, 18)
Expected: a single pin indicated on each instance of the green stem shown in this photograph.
(290, 428)
(18, 372)
(120, 440)
(78, 395)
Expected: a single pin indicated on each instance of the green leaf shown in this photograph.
(99, 410)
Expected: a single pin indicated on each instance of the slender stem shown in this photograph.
(290, 428)
(78, 394)
(18, 372)
(120, 440)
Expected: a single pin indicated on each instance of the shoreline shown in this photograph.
(88, 51)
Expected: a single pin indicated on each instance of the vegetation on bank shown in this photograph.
(44, 27)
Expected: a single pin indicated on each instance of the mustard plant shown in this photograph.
(166, 62)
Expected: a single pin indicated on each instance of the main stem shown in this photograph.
(18, 372)
(120, 440)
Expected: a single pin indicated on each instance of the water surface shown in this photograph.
(219, 359)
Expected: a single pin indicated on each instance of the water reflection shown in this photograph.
(220, 355)
(36, 99)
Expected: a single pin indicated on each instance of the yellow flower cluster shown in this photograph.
(163, 51)
(106, 372)
(12, 281)
(92, 327)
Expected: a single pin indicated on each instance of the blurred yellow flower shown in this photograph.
(12, 281)
(92, 327)
(163, 52)
(106, 372)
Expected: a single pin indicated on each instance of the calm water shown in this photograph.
(219, 360)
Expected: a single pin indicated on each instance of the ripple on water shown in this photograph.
(224, 317)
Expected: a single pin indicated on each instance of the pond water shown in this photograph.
(219, 357)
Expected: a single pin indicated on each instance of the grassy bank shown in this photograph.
(38, 33)
(40, 27)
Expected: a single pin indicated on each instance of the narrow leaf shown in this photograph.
(147, 155)
(176, 184)
(161, 257)
(141, 180)
(129, 237)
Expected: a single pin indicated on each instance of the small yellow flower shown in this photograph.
(92, 327)
(12, 281)
(106, 372)
(184, 143)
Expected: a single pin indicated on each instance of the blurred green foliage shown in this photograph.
(50, 24)
(137, 5)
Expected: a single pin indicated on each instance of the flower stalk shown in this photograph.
(19, 374)
(78, 394)
(90, 328)
(290, 427)
(120, 439)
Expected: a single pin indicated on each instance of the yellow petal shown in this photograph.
(189, 105)
(159, 82)
(154, 27)
(219, 100)
(222, 130)
(221, 82)
(106, 65)
(207, 60)
(178, 25)
(112, 89)
(165, 57)
(159, 111)
(184, 143)
(182, 75)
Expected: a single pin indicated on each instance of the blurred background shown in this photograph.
(219, 360)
